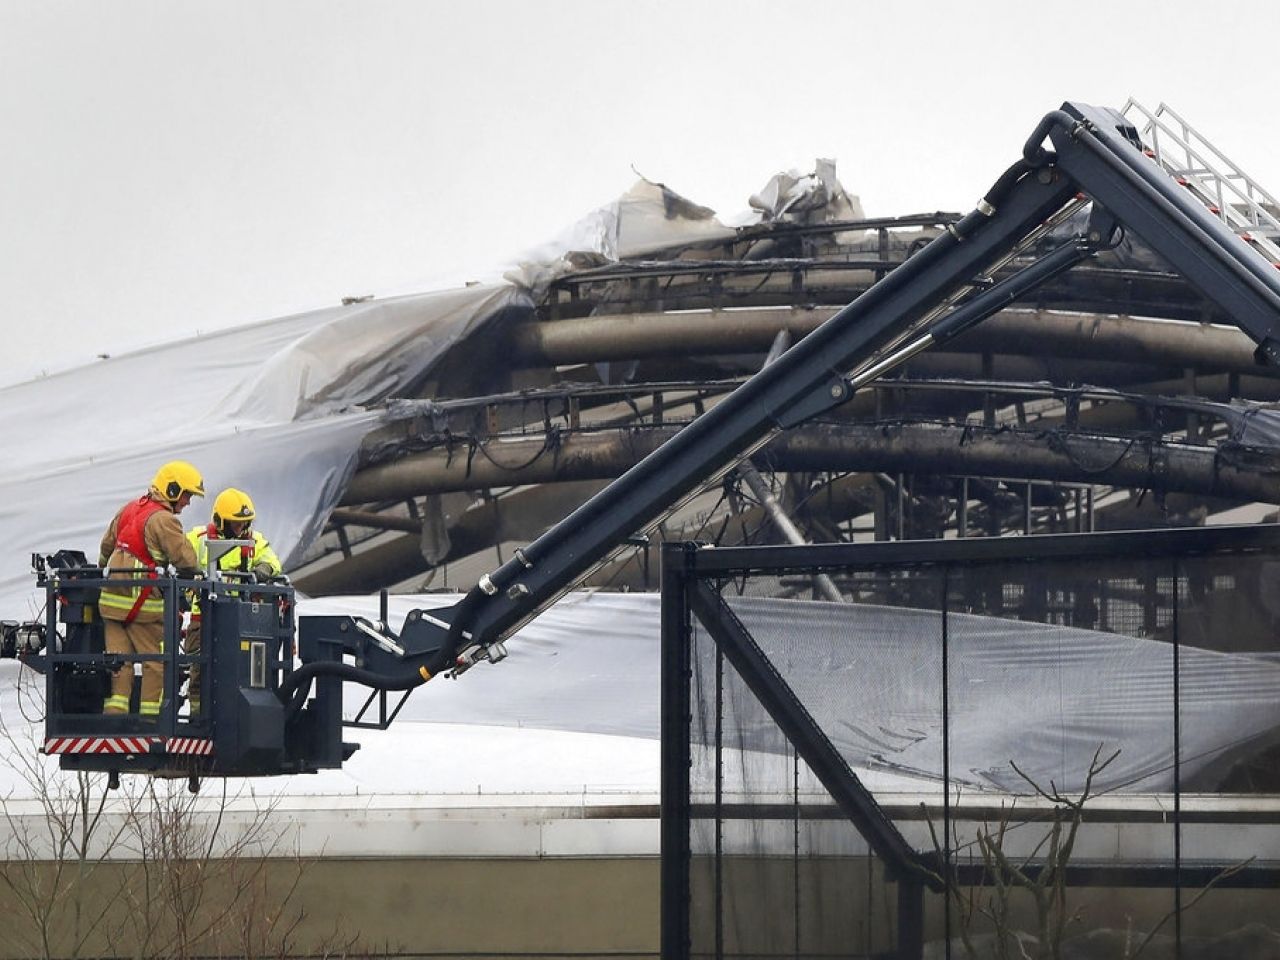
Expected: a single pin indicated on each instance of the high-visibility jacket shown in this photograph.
(143, 535)
(246, 559)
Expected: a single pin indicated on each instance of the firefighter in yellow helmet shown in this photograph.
(144, 536)
(233, 516)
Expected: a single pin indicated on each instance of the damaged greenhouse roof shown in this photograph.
(405, 443)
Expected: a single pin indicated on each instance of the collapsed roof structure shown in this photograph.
(401, 443)
(1117, 398)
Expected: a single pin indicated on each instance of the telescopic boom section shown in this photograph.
(1095, 153)
(1099, 149)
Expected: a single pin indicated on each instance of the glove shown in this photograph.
(263, 574)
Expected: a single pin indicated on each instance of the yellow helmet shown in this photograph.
(176, 478)
(232, 506)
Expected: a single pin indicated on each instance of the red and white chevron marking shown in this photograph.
(190, 746)
(99, 744)
(186, 746)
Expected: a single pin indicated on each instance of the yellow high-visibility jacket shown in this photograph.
(261, 558)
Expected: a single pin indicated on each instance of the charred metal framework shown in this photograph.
(938, 294)
(1095, 388)
(696, 581)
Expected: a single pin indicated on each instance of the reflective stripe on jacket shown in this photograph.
(146, 533)
(261, 555)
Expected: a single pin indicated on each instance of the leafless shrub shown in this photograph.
(1041, 874)
(149, 869)
(58, 835)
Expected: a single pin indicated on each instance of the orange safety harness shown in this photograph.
(130, 539)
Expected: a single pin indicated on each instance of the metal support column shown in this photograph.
(675, 752)
(910, 920)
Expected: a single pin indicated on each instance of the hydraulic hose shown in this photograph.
(1034, 157)
(445, 656)
(297, 686)
(991, 201)
(1032, 151)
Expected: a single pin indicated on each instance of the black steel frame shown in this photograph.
(690, 572)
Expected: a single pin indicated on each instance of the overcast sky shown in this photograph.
(172, 167)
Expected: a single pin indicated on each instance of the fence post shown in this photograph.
(675, 751)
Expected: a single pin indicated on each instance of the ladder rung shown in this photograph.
(1217, 190)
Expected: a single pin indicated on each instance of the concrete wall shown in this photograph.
(489, 876)
(549, 907)
(437, 906)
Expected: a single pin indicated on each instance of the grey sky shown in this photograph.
(170, 167)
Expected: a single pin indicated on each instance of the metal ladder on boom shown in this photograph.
(1233, 196)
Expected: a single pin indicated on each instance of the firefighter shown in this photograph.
(233, 516)
(145, 535)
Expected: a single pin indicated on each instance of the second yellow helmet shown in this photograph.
(232, 506)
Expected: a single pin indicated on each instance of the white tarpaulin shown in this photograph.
(1043, 696)
(277, 408)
